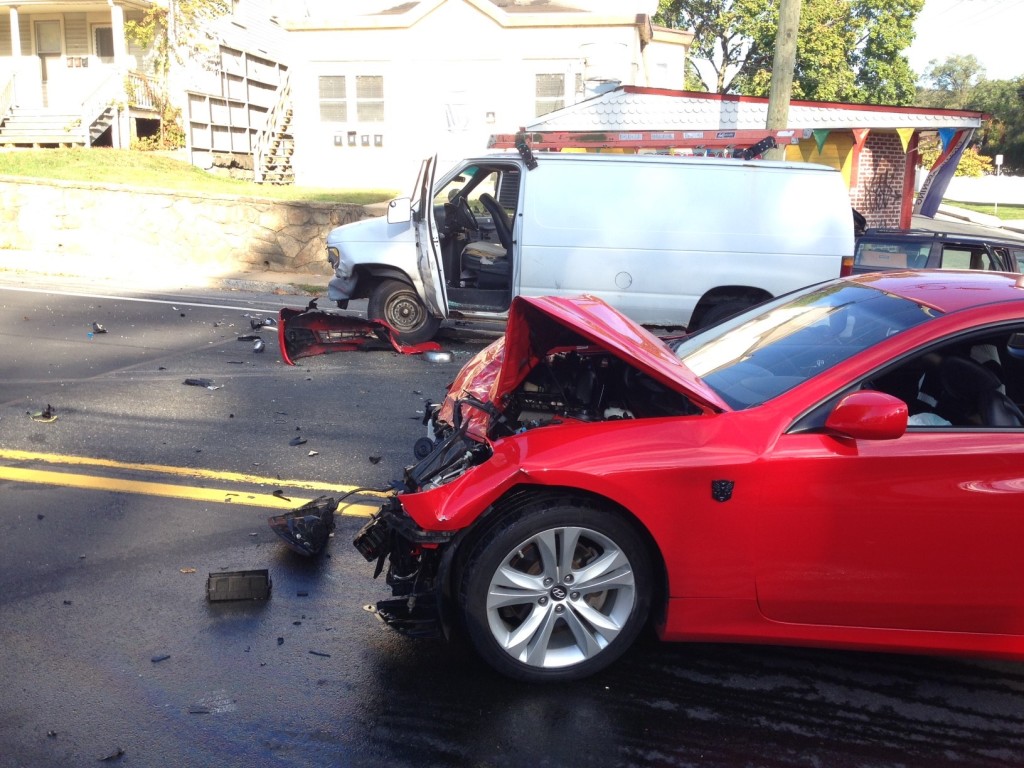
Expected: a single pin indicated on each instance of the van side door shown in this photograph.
(428, 244)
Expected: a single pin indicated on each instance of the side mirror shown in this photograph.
(399, 211)
(868, 415)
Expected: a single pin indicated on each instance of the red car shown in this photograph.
(842, 466)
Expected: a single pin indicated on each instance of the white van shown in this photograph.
(669, 241)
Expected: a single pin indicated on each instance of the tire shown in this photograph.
(535, 619)
(720, 312)
(397, 304)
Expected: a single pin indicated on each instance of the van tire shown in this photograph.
(397, 304)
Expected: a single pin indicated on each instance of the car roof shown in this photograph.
(948, 290)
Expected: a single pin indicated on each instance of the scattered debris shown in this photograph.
(437, 357)
(40, 516)
(321, 653)
(280, 494)
(208, 383)
(198, 709)
(46, 415)
(97, 328)
(259, 345)
(117, 754)
(238, 585)
(187, 570)
(280, 641)
(250, 337)
(302, 593)
(160, 657)
(297, 441)
(312, 331)
(313, 453)
(307, 529)
(374, 459)
(51, 734)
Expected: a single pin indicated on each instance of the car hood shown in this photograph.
(538, 326)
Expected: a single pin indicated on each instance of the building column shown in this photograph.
(15, 33)
(117, 33)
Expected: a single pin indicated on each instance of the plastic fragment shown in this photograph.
(207, 383)
(297, 441)
(187, 570)
(280, 494)
(313, 453)
(321, 653)
(97, 328)
(259, 345)
(117, 754)
(307, 530)
(374, 459)
(160, 657)
(46, 415)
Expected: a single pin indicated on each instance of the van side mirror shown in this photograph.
(399, 211)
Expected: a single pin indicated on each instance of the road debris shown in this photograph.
(207, 383)
(238, 585)
(297, 441)
(280, 494)
(97, 328)
(46, 415)
(160, 657)
(307, 529)
(117, 754)
(321, 653)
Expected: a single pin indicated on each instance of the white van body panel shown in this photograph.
(653, 235)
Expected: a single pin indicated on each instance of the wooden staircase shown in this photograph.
(275, 145)
(42, 127)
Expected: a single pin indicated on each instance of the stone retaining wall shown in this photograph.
(209, 233)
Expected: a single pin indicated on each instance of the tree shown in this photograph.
(175, 33)
(952, 81)
(847, 50)
(972, 162)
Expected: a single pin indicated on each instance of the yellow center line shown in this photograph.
(283, 502)
(206, 474)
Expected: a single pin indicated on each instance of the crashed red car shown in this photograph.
(842, 466)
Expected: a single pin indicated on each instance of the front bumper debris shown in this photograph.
(415, 570)
(312, 331)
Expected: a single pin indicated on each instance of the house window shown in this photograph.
(333, 105)
(370, 98)
(103, 43)
(550, 93)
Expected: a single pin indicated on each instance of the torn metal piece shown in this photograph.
(259, 345)
(312, 331)
(307, 529)
(238, 585)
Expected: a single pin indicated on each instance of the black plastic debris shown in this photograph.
(97, 328)
(250, 337)
(259, 345)
(238, 585)
(374, 459)
(208, 383)
(321, 653)
(307, 529)
(46, 415)
(117, 754)
(280, 495)
(297, 441)
(160, 657)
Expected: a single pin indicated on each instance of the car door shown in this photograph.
(922, 532)
(428, 244)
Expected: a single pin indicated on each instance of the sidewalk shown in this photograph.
(118, 274)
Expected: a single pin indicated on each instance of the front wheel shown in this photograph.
(397, 304)
(558, 592)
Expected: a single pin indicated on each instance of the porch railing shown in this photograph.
(268, 134)
(140, 91)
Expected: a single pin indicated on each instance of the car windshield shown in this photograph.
(771, 349)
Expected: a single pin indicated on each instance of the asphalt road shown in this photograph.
(115, 513)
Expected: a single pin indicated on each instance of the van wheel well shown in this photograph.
(719, 303)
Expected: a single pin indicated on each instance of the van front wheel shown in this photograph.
(397, 304)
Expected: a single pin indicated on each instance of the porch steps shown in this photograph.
(39, 127)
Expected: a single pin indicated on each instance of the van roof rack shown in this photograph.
(746, 143)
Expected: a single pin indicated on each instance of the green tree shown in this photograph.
(972, 162)
(847, 50)
(174, 32)
(950, 83)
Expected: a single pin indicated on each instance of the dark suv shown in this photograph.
(879, 249)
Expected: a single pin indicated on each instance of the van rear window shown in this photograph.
(882, 255)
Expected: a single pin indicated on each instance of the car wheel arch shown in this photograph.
(516, 499)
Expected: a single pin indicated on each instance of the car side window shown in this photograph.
(959, 257)
(975, 383)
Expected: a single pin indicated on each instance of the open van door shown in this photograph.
(428, 244)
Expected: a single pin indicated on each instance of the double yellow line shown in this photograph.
(283, 500)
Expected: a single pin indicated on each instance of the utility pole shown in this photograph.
(783, 64)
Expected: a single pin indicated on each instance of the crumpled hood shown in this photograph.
(538, 326)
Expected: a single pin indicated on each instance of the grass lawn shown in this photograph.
(1004, 212)
(156, 171)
